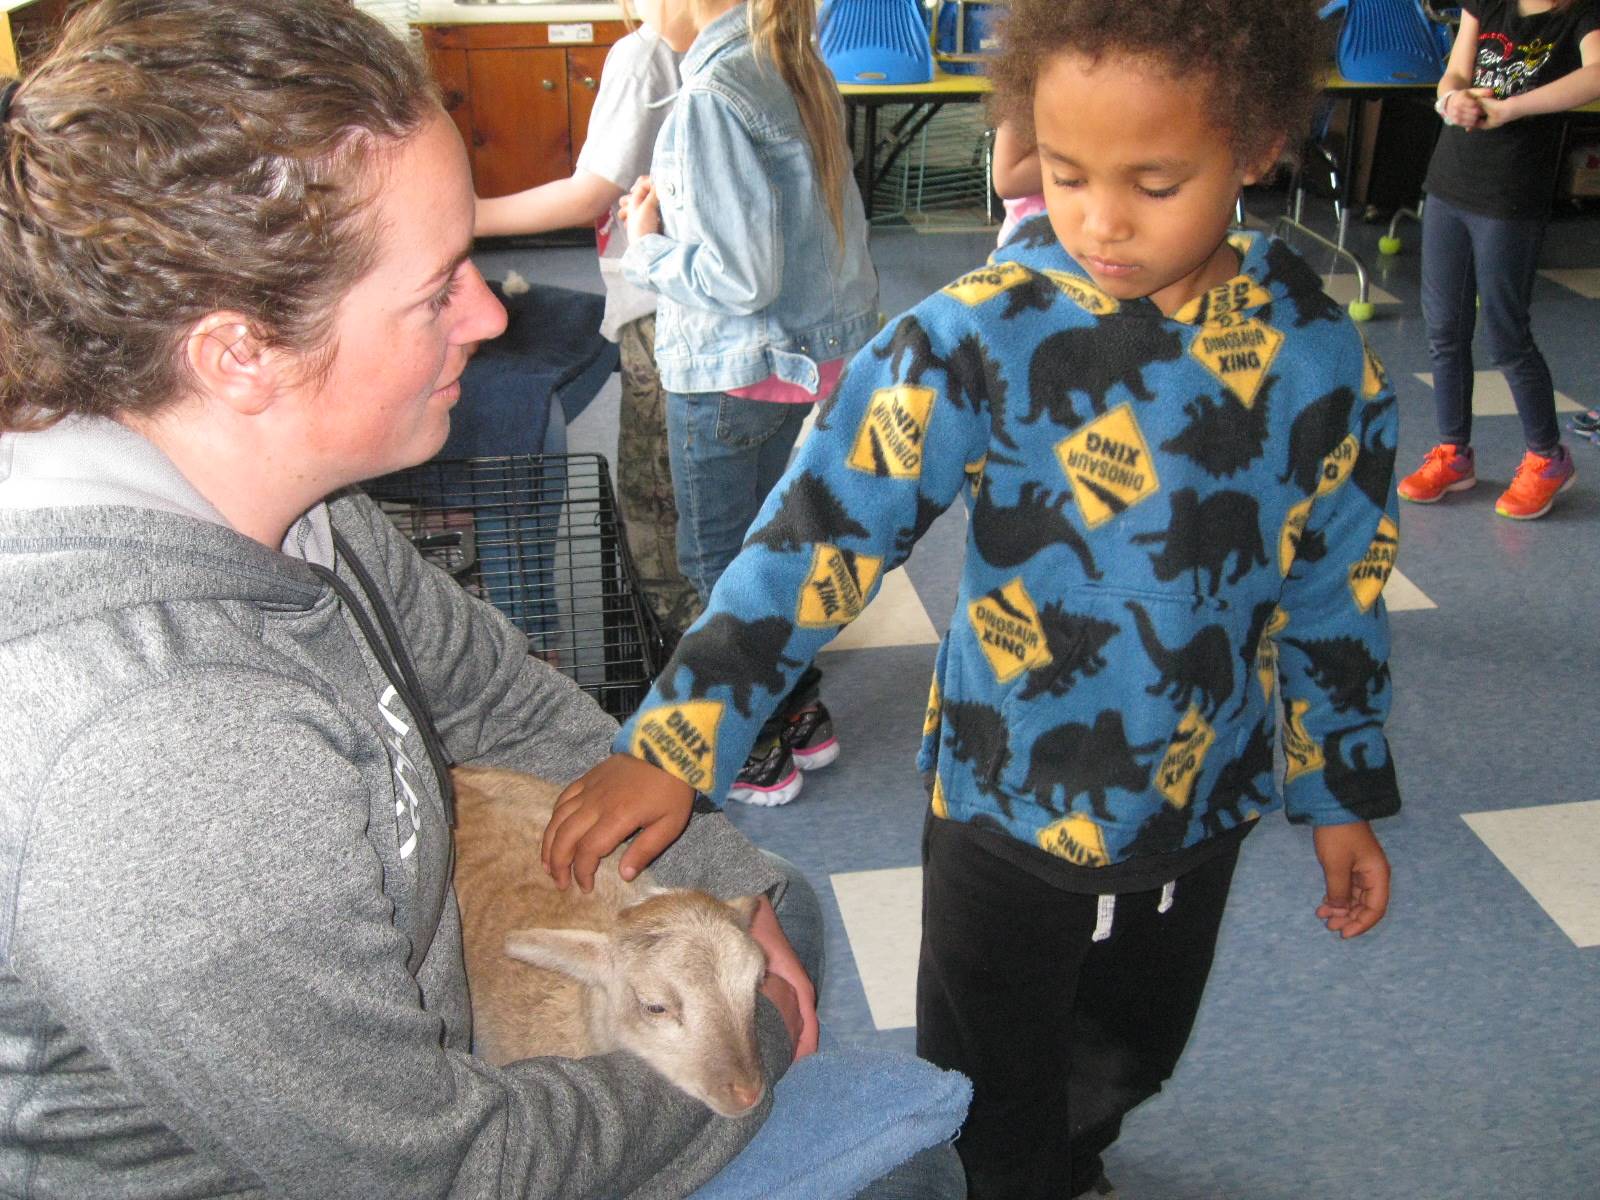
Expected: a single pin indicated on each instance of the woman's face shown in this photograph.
(404, 331)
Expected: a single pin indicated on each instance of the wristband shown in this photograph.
(1438, 105)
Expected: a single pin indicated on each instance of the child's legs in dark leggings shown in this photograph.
(1448, 308)
(1507, 256)
(1061, 1035)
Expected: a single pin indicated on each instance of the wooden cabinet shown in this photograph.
(521, 102)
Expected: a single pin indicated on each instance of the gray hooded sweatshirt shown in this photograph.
(230, 954)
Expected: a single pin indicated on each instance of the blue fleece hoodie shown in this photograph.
(1168, 516)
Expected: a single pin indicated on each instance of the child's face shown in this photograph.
(673, 20)
(1139, 183)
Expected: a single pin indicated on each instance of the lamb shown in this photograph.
(669, 975)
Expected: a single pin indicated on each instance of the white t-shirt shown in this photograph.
(636, 90)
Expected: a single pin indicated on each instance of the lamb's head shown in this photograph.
(674, 983)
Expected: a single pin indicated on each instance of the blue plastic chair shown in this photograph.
(1388, 41)
(875, 41)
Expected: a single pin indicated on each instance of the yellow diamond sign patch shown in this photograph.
(1368, 576)
(1302, 753)
(1373, 377)
(1267, 651)
(980, 286)
(930, 718)
(1238, 351)
(893, 432)
(681, 739)
(1083, 293)
(1008, 629)
(937, 800)
(1236, 295)
(837, 587)
(1108, 463)
(1185, 756)
(1337, 466)
(1077, 839)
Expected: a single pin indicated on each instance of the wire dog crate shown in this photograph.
(538, 536)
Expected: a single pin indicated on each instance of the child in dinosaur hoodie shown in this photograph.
(1177, 457)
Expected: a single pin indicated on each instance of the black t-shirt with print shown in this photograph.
(1510, 171)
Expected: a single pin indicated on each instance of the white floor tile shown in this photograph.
(1491, 395)
(895, 617)
(1401, 595)
(882, 913)
(1553, 850)
(1583, 280)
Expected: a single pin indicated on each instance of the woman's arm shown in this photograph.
(580, 199)
(1571, 91)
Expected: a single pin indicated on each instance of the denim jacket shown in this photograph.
(750, 276)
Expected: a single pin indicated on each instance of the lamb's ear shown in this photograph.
(744, 908)
(580, 953)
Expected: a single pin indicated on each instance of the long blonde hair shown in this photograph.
(784, 32)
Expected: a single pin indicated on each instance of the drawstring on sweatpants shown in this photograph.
(1166, 896)
(1106, 910)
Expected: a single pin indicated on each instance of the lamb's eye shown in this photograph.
(655, 1010)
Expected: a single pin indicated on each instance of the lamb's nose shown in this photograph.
(746, 1096)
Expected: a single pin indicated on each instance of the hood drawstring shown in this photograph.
(390, 651)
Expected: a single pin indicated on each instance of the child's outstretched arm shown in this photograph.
(1332, 645)
(889, 452)
(580, 199)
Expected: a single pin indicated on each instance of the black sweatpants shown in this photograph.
(1061, 1035)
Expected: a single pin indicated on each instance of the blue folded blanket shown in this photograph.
(841, 1119)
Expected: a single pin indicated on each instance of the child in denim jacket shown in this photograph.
(751, 234)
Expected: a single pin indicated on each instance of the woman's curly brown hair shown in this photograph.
(1256, 63)
(173, 158)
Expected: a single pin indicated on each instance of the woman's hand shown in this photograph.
(602, 809)
(1464, 107)
(786, 978)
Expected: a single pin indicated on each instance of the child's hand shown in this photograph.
(1496, 112)
(784, 964)
(1357, 873)
(1465, 107)
(598, 812)
(642, 209)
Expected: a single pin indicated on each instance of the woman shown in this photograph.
(1515, 66)
(233, 282)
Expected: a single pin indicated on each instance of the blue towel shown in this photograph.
(841, 1119)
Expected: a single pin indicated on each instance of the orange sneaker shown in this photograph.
(1539, 479)
(1446, 468)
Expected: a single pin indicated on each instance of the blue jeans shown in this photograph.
(1467, 257)
(934, 1174)
(726, 454)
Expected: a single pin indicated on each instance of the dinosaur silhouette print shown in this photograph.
(1034, 294)
(1076, 759)
(1315, 434)
(1373, 471)
(975, 381)
(1204, 665)
(1204, 534)
(828, 403)
(1163, 832)
(809, 513)
(1093, 359)
(906, 539)
(1033, 233)
(1223, 437)
(1310, 547)
(728, 652)
(1007, 537)
(1288, 271)
(1074, 641)
(977, 733)
(1240, 781)
(1259, 616)
(1342, 667)
(909, 339)
(1358, 771)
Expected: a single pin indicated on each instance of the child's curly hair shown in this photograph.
(1260, 60)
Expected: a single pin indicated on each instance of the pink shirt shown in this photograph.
(780, 391)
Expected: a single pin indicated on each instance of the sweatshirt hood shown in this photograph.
(95, 518)
(1272, 271)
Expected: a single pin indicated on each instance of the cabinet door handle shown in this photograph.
(588, 82)
(548, 85)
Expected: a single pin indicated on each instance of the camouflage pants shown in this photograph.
(644, 481)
